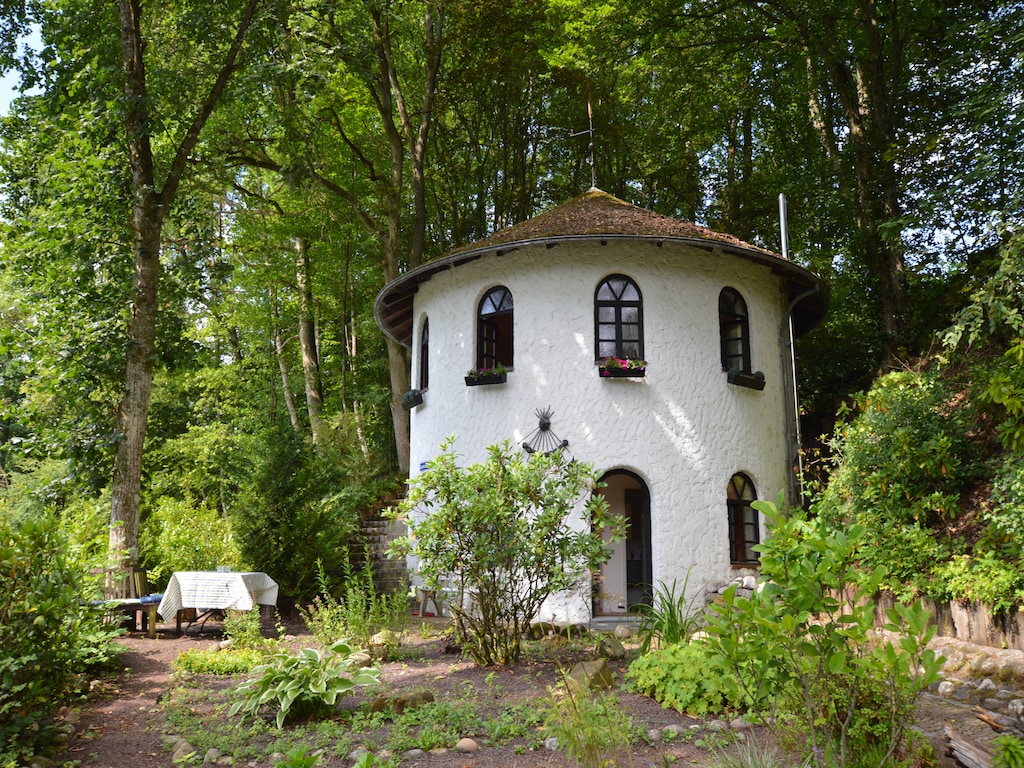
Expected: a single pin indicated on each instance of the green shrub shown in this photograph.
(245, 629)
(168, 540)
(591, 727)
(359, 612)
(227, 661)
(803, 644)
(303, 506)
(506, 534)
(307, 684)
(1009, 752)
(685, 677)
(49, 633)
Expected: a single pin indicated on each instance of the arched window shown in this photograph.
(494, 329)
(744, 530)
(735, 331)
(424, 377)
(618, 319)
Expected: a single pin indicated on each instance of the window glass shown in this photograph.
(618, 319)
(494, 329)
(744, 527)
(424, 377)
(734, 329)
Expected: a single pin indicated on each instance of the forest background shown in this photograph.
(199, 203)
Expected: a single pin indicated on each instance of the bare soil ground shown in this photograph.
(125, 725)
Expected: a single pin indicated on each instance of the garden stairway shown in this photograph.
(377, 533)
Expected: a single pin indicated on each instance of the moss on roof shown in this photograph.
(597, 213)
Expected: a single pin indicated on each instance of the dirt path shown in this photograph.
(123, 726)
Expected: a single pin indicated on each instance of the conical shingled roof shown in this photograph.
(596, 215)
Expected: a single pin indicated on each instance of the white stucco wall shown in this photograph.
(683, 429)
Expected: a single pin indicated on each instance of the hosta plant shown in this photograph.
(308, 684)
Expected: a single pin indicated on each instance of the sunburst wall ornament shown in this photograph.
(542, 439)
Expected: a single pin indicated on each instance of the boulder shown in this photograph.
(609, 647)
(593, 675)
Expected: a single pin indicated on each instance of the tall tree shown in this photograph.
(164, 60)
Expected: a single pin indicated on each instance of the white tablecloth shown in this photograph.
(213, 589)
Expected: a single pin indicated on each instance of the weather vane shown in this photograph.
(590, 147)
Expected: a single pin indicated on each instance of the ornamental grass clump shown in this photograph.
(305, 685)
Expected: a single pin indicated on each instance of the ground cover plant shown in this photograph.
(428, 699)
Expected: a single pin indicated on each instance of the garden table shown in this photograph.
(215, 591)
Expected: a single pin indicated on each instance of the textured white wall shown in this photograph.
(683, 428)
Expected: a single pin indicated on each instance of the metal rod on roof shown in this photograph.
(784, 225)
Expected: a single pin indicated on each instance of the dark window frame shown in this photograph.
(495, 339)
(424, 368)
(613, 322)
(734, 331)
(744, 522)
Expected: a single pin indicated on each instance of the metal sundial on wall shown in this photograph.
(542, 439)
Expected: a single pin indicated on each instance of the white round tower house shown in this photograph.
(655, 350)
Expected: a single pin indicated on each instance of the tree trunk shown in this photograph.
(307, 340)
(134, 406)
(282, 366)
(148, 209)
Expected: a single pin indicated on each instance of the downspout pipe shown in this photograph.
(794, 458)
(791, 427)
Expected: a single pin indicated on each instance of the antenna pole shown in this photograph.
(593, 169)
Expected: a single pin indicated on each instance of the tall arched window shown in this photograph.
(494, 329)
(735, 331)
(424, 377)
(744, 529)
(618, 319)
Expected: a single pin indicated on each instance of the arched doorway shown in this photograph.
(625, 581)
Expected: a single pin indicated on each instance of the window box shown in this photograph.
(621, 373)
(411, 399)
(486, 376)
(749, 380)
(622, 368)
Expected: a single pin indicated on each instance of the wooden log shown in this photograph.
(969, 755)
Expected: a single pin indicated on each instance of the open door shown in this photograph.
(624, 582)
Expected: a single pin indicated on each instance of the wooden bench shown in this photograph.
(126, 593)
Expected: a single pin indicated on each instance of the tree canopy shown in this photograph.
(198, 205)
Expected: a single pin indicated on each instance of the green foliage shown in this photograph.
(225, 661)
(50, 635)
(1009, 752)
(987, 576)
(303, 506)
(803, 644)
(169, 543)
(504, 536)
(1004, 390)
(360, 612)
(685, 677)
(748, 754)
(307, 684)
(591, 727)
(245, 629)
(297, 757)
(671, 618)
(901, 467)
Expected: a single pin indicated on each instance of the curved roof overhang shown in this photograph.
(393, 308)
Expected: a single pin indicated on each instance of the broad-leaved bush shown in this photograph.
(803, 647)
(502, 536)
(307, 684)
